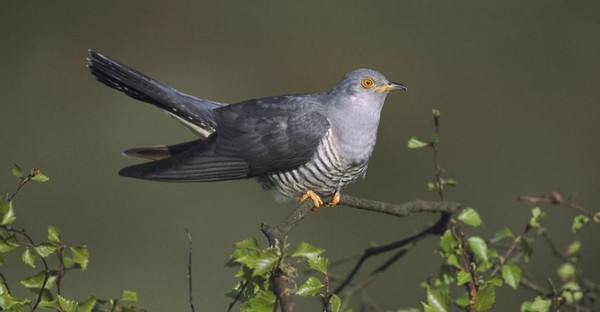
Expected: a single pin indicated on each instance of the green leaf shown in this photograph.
(414, 143)
(7, 212)
(537, 216)
(463, 300)
(39, 177)
(310, 288)
(80, 256)
(28, 257)
(307, 251)
(511, 273)
(263, 301)
(260, 262)
(574, 248)
(437, 301)
(463, 277)
(53, 234)
(479, 247)
(36, 281)
(248, 243)
(320, 264)
(485, 298)
(448, 242)
(505, 232)
(66, 304)
(470, 217)
(566, 271)
(579, 222)
(129, 295)
(45, 249)
(496, 281)
(597, 217)
(87, 305)
(335, 303)
(8, 244)
(572, 292)
(16, 171)
(539, 305)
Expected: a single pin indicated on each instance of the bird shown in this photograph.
(298, 145)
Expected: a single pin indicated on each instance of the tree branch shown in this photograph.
(276, 235)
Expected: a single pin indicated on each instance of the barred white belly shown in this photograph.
(326, 173)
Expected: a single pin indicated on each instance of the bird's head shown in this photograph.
(366, 86)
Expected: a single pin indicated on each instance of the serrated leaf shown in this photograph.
(511, 273)
(87, 305)
(320, 264)
(263, 301)
(437, 301)
(66, 305)
(307, 251)
(248, 243)
(495, 281)
(335, 303)
(45, 249)
(463, 277)
(36, 281)
(579, 222)
(479, 247)
(414, 143)
(28, 257)
(538, 305)
(485, 298)
(53, 234)
(498, 236)
(80, 256)
(310, 288)
(129, 295)
(39, 177)
(16, 171)
(260, 262)
(566, 271)
(469, 216)
(7, 213)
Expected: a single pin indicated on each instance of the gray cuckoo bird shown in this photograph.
(300, 145)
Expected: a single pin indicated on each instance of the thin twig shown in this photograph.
(238, 296)
(189, 267)
(467, 264)
(46, 268)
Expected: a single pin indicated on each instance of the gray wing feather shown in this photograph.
(252, 138)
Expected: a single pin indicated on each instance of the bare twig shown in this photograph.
(189, 267)
(556, 198)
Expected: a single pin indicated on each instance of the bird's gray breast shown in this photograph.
(325, 173)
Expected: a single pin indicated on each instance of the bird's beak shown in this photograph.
(390, 86)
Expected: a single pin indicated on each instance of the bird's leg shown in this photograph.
(317, 201)
(334, 200)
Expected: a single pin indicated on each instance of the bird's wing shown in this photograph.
(193, 112)
(253, 138)
(274, 134)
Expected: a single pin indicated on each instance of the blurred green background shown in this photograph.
(516, 81)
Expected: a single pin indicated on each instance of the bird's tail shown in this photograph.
(193, 112)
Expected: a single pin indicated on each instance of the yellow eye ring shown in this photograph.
(368, 83)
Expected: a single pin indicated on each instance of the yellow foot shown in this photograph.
(334, 200)
(317, 201)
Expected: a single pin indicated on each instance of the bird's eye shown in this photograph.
(367, 83)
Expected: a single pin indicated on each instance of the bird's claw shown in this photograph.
(334, 200)
(317, 201)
